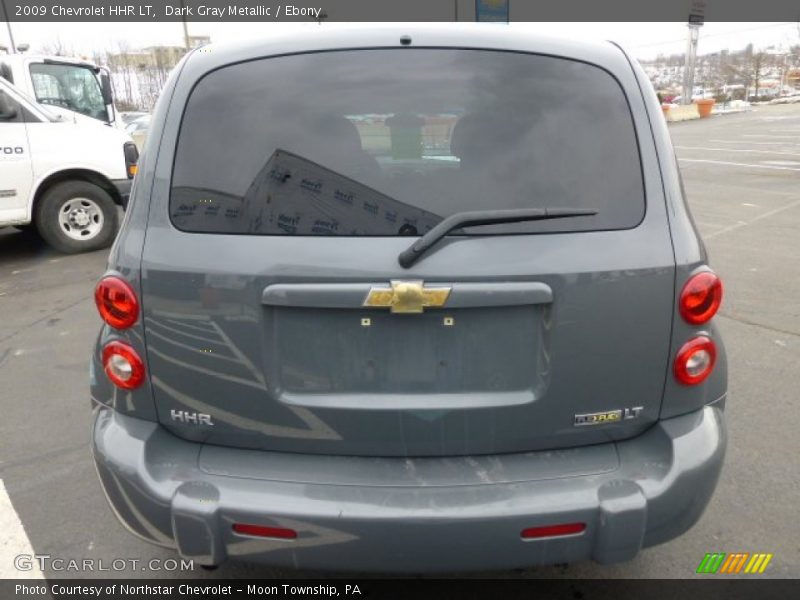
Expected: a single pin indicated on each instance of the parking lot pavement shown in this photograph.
(742, 174)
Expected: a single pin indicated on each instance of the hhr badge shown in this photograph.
(611, 416)
(190, 418)
(407, 297)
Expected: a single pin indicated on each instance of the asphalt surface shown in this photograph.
(742, 174)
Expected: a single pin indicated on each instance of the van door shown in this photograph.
(15, 158)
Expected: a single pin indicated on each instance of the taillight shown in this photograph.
(700, 298)
(122, 365)
(695, 360)
(116, 301)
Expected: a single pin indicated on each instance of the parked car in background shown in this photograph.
(415, 298)
(64, 177)
(138, 130)
(702, 95)
(129, 116)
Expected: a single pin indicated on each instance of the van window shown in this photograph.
(388, 142)
(74, 87)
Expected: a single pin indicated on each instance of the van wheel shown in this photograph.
(77, 216)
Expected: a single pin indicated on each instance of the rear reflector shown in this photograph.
(268, 532)
(695, 360)
(116, 302)
(122, 365)
(552, 530)
(700, 298)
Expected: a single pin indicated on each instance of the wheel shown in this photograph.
(76, 216)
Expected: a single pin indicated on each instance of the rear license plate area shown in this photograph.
(311, 350)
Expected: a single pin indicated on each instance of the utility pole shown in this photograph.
(13, 49)
(697, 12)
(689, 64)
(185, 28)
(783, 72)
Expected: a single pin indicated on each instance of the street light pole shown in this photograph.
(185, 28)
(8, 24)
(697, 15)
(689, 64)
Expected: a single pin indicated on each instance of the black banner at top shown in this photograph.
(399, 10)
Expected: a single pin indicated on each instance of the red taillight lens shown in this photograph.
(122, 365)
(116, 301)
(700, 298)
(552, 530)
(261, 531)
(695, 360)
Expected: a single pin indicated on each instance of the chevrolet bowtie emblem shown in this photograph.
(407, 297)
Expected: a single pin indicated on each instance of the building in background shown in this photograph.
(139, 75)
(747, 74)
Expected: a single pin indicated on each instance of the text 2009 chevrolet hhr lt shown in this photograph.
(421, 298)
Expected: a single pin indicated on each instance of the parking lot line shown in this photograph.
(749, 143)
(14, 542)
(765, 215)
(733, 164)
(769, 135)
(738, 150)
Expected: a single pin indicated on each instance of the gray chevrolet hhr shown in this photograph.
(414, 298)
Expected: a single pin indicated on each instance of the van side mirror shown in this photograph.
(105, 85)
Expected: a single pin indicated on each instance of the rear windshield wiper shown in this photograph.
(483, 217)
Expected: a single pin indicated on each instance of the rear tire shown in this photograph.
(77, 216)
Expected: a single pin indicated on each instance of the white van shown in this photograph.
(71, 87)
(65, 176)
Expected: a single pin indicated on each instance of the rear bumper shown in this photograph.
(350, 516)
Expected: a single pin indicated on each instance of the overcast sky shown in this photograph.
(645, 40)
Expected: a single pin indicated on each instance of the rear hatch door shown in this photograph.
(277, 315)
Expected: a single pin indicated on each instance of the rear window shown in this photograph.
(389, 142)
